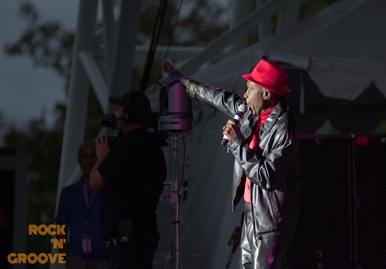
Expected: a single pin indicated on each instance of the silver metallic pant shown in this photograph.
(262, 253)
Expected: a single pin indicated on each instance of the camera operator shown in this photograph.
(131, 174)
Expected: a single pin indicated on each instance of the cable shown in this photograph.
(153, 45)
(174, 27)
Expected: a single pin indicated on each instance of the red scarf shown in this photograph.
(254, 144)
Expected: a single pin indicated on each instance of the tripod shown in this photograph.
(174, 199)
(176, 192)
(176, 108)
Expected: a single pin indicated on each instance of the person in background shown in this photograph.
(79, 210)
(265, 147)
(131, 173)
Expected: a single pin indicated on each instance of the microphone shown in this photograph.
(108, 121)
(237, 118)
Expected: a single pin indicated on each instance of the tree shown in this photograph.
(48, 44)
(42, 148)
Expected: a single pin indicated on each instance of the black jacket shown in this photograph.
(273, 168)
(134, 171)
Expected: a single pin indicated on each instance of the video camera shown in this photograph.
(109, 121)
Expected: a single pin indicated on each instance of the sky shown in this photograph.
(27, 91)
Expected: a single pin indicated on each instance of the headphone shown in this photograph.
(134, 108)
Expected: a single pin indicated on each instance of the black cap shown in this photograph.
(134, 100)
(120, 100)
(137, 106)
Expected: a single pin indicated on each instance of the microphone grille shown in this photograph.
(242, 108)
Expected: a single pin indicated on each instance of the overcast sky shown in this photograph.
(26, 91)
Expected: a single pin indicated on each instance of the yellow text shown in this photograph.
(33, 258)
(43, 229)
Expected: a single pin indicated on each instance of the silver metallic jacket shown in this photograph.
(273, 168)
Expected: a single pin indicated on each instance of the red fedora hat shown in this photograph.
(270, 76)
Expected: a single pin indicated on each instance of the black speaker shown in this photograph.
(370, 178)
(324, 233)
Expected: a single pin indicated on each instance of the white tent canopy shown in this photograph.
(343, 49)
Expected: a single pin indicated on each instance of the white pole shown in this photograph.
(77, 96)
(124, 48)
(78, 91)
(109, 38)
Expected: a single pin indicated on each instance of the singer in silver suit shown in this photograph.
(266, 170)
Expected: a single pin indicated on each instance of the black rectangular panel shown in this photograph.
(370, 173)
(323, 236)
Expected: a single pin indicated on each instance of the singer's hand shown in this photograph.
(102, 147)
(231, 130)
(173, 73)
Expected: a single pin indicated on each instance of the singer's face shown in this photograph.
(254, 97)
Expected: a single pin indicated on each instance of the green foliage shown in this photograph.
(48, 44)
(201, 25)
(93, 116)
(381, 128)
(42, 148)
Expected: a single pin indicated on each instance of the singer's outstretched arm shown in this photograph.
(266, 169)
